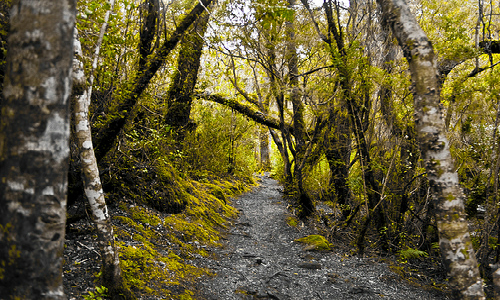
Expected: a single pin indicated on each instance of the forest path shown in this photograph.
(260, 260)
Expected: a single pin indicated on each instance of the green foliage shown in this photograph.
(223, 143)
(448, 26)
(100, 294)
(410, 253)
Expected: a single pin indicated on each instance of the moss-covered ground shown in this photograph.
(156, 247)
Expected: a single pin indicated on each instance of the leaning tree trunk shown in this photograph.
(108, 134)
(111, 271)
(454, 239)
(34, 149)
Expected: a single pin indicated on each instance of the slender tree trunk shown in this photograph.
(265, 162)
(4, 31)
(454, 239)
(34, 149)
(111, 271)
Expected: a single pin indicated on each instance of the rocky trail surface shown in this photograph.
(262, 260)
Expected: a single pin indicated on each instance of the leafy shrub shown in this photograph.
(410, 253)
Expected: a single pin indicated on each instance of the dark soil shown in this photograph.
(262, 260)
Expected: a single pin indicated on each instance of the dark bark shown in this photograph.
(490, 46)
(358, 114)
(337, 144)
(180, 93)
(34, 149)
(107, 135)
(148, 30)
(4, 30)
(305, 202)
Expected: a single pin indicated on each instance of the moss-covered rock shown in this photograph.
(315, 242)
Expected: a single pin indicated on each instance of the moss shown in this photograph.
(292, 221)
(316, 242)
(155, 184)
(147, 271)
(154, 246)
(141, 214)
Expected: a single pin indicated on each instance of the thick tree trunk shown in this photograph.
(454, 239)
(148, 31)
(180, 93)
(305, 202)
(34, 149)
(337, 145)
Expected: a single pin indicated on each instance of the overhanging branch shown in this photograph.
(246, 110)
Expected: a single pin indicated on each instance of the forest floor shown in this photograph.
(261, 260)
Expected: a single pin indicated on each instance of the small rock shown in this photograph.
(360, 290)
(310, 265)
(332, 277)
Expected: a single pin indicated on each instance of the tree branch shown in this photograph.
(243, 109)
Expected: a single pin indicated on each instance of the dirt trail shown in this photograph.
(260, 260)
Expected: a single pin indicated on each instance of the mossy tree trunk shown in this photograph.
(110, 268)
(34, 149)
(180, 92)
(337, 145)
(4, 30)
(454, 239)
(149, 30)
(357, 108)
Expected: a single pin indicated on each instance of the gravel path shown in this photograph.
(260, 260)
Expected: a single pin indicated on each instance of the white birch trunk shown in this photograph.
(454, 239)
(111, 272)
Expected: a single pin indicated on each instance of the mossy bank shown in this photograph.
(156, 247)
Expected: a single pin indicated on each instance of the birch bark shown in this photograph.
(454, 239)
(111, 271)
(34, 148)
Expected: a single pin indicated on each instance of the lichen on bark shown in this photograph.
(455, 242)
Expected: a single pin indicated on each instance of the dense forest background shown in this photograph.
(189, 99)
